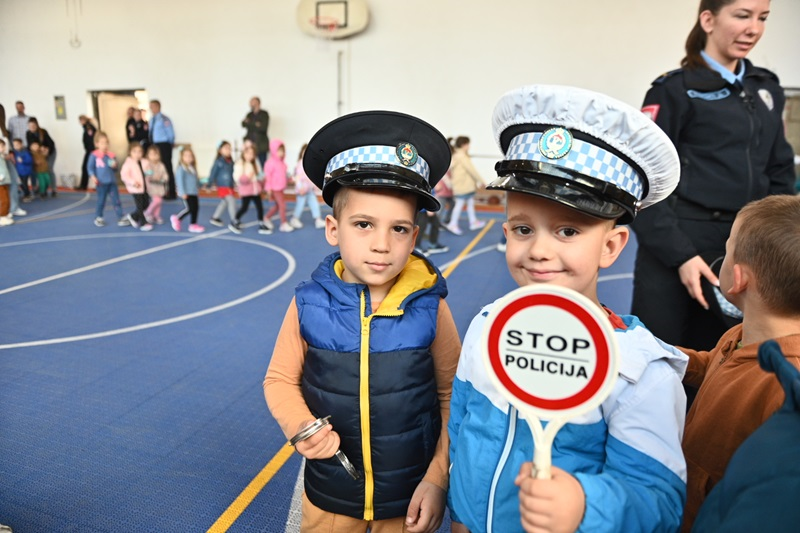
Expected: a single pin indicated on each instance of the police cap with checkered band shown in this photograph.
(583, 149)
(382, 149)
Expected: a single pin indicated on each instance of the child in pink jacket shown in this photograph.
(275, 173)
(246, 174)
(132, 175)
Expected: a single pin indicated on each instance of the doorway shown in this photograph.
(111, 111)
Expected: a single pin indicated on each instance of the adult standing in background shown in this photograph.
(18, 124)
(38, 134)
(257, 124)
(130, 126)
(88, 145)
(4, 133)
(162, 134)
(724, 116)
(140, 130)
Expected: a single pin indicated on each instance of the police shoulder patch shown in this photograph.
(667, 75)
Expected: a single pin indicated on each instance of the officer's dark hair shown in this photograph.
(768, 242)
(696, 41)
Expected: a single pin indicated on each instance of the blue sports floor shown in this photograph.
(131, 366)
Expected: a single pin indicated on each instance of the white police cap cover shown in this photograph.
(524, 118)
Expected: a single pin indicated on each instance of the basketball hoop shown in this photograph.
(324, 27)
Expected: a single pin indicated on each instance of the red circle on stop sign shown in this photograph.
(600, 341)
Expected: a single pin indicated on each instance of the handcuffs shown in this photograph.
(313, 429)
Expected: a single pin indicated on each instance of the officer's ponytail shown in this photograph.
(696, 41)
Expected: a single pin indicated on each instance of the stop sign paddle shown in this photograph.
(552, 353)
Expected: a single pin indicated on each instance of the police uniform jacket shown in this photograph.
(378, 377)
(732, 148)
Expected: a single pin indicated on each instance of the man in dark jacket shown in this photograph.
(257, 123)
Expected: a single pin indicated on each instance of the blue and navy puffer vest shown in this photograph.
(373, 373)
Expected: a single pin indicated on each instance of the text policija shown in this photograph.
(540, 362)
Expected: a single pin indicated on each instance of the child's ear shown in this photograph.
(741, 279)
(616, 239)
(332, 230)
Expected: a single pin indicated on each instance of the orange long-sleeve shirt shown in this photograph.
(285, 372)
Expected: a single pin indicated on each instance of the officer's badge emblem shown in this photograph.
(407, 154)
(766, 97)
(555, 143)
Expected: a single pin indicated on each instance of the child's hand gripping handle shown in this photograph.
(314, 428)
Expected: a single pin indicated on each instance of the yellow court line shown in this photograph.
(460, 257)
(249, 493)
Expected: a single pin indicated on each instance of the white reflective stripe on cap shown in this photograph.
(585, 158)
(386, 155)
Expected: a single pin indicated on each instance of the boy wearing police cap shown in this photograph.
(576, 163)
(369, 340)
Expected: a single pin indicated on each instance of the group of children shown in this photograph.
(251, 181)
(369, 340)
(145, 178)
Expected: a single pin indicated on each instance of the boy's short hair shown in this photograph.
(342, 194)
(16, 140)
(768, 242)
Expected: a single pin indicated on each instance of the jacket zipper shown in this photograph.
(747, 100)
(366, 430)
(510, 433)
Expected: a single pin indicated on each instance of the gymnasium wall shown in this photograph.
(447, 61)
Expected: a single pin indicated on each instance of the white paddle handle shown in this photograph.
(542, 443)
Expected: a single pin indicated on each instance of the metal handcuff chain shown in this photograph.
(314, 428)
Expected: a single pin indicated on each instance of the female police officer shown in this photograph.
(724, 116)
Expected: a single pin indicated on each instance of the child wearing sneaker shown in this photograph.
(369, 340)
(40, 168)
(465, 180)
(132, 174)
(24, 165)
(275, 173)
(157, 181)
(428, 222)
(305, 192)
(246, 172)
(187, 186)
(5, 185)
(221, 177)
(102, 167)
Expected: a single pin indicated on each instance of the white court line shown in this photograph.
(107, 262)
(55, 211)
(474, 253)
(289, 271)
